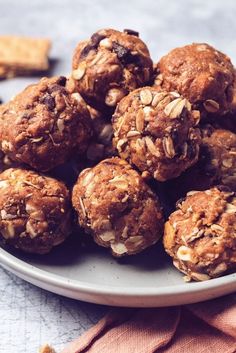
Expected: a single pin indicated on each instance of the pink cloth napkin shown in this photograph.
(208, 327)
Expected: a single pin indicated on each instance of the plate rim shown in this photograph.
(49, 278)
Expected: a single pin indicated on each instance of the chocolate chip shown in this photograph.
(131, 32)
(49, 101)
(124, 54)
(94, 42)
(61, 81)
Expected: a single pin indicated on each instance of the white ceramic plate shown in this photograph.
(91, 274)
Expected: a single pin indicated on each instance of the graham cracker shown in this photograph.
(23, 55)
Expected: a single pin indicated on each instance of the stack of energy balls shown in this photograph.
(123, 122)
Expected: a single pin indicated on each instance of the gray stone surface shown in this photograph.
(30, 316)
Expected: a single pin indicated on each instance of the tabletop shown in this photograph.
(29, 315)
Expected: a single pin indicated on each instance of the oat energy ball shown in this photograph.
(101, 146)
(44, 125)
(35, 211)
(216, 164)
(201, 235)
(202, 74)
(116, 206)
(156, 131)
(109, 65)
(218, 156)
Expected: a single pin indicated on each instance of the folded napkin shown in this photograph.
(208, 327)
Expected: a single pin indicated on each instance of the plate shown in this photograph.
(91, 274)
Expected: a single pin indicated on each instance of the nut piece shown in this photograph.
(35, 211)
(202, 74)
(43, 125)
(108, 66)
(156, 131)
(201, 235)
(184, 253)
(114, 197)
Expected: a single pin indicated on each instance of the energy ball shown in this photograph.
(216, 165)
(202, 74)
(109, 65)
(156, 131)
(35, 211)
(218, 156)
(201, 235)
(100, 146)
(45, 125)
(116, 206)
